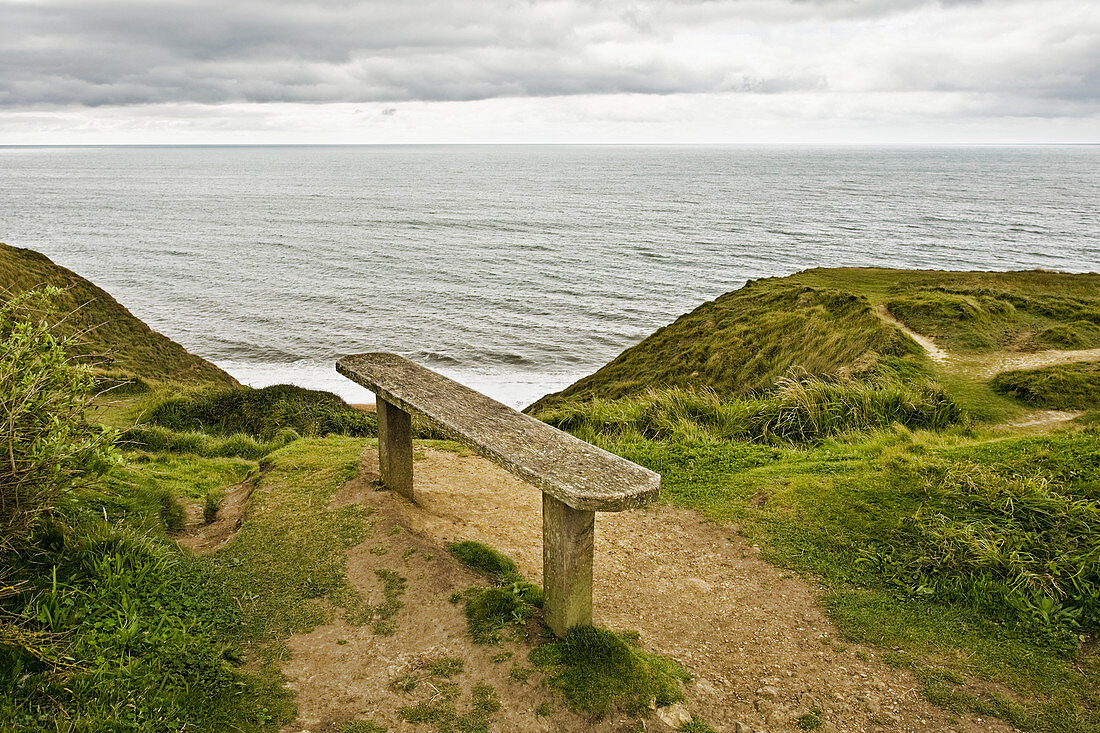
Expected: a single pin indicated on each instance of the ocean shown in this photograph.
(513, 269)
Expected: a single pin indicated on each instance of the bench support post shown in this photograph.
(567, 547)
(395, 454)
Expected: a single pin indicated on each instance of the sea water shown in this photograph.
(515, 270)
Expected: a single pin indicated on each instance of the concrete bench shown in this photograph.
(577, 479)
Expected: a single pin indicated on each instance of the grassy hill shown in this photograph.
(822, 322)
(103, 328)
(943, 539)
(945, 527)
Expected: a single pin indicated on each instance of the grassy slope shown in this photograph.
(917, 539)
(969, 555)
(104, 327)
(745, 340)
(822, 321)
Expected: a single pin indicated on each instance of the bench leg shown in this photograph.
(395, 455)
(567, 545)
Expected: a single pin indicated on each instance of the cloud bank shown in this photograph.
(1004, 59)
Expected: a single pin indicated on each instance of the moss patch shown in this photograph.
(599, 671)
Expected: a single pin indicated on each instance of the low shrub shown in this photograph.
(47, 445)
(157, 438)
(262, 413)
(1059, 387)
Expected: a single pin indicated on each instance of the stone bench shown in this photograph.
(577, 479)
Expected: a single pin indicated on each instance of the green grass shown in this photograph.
(149, 639)
(696, 725)
(599, 671)
(491, 611)
(1060, 387)
(144, 490)
(809, 721)
(971, 554)
(107, 334)
(496, 566)
(983, 319)
(441, 711)
(445, 667)
(975, 396)
(155, 438)
(261, 413)
(382, 615)
(124, 632)
(508, 602)
(800, 410)
(185, 476)
(106, 625)
(289, 558)
(821, 322)
(744, 341)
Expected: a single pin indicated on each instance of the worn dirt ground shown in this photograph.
(760, 649)
(201, 538)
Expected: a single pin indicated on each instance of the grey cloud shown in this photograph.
(119, 52)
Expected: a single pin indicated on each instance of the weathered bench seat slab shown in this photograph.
(574, 472)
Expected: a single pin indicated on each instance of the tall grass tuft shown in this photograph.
(1060, 387)
(1022, 546)
(802, 408)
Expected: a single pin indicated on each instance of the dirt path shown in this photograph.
(935, 353)
(201, 538)
(760, 648)
(983, 367)
(986, 366)
(1041, 421)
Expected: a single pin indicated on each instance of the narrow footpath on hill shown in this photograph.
(987, 366)
(759, 647)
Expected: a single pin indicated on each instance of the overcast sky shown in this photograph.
(677, 71)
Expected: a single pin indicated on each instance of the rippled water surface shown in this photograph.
(513, 269)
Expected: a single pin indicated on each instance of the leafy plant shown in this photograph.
(46, 446)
